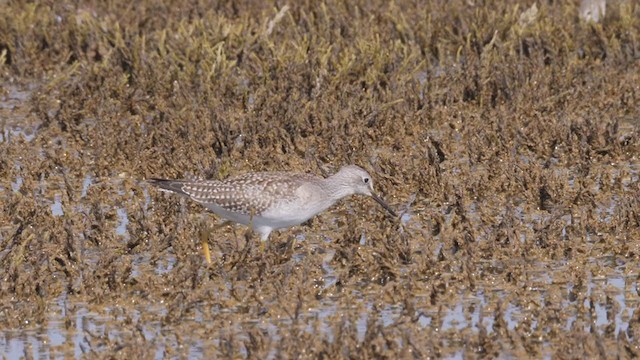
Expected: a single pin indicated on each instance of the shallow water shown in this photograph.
(75, 329)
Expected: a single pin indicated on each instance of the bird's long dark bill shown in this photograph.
(384, 204)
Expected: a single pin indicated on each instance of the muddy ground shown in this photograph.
(506, 134)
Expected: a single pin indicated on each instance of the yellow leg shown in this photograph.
(294, 241)
(205, 250)
(205, 231)
(205, 234)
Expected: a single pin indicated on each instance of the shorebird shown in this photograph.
(266, 201)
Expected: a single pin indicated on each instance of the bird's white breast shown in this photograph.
(306, 204)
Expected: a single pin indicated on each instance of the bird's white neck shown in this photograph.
(336, 188)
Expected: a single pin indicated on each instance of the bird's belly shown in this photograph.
(290, 214)
(229, 215)
(274, 218)
(278, 219)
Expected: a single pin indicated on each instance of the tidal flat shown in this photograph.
(504, 134)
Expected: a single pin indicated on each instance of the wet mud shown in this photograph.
(505, 135)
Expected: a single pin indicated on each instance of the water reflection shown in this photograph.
(56, 207)
(54, 339)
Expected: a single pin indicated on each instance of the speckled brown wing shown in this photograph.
(249, 194)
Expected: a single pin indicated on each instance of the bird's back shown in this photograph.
(248, 194)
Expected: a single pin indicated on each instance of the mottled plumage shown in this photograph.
(273, 200)
(248, 194)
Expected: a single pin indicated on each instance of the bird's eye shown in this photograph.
(366, 180)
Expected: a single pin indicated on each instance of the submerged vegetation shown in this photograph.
(505, 133)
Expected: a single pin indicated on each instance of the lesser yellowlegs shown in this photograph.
(273, 200)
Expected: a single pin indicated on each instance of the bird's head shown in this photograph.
(360, 182)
